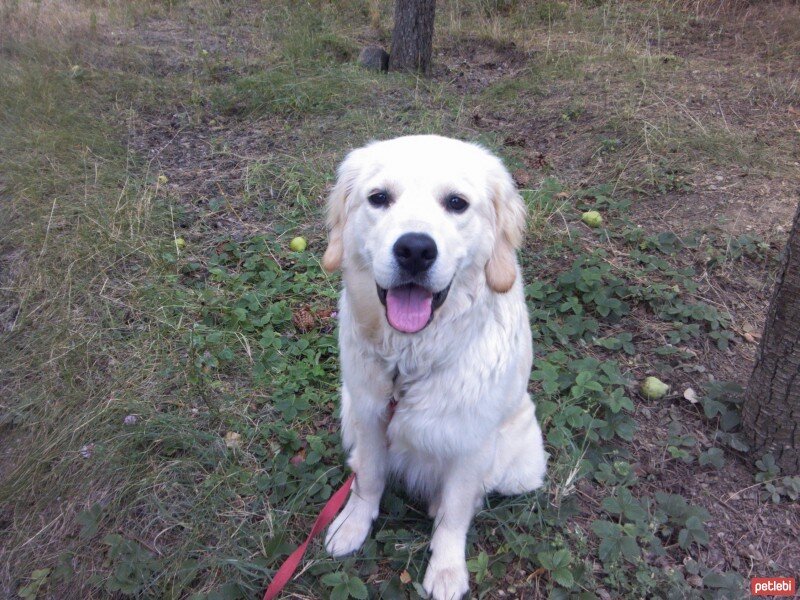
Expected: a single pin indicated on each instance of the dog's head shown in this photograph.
(418, 213)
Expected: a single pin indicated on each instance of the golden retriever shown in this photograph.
(434, 337)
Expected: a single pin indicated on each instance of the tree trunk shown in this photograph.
(412, 39)
(771, 410)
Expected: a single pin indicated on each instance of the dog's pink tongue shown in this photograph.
(408, 307)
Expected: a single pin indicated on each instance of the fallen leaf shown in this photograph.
(299, 457)
(521, 177)
(540, 161)
(232, 439)
(752, 337)
(405, 578)
(325, 313)
(691, 395)
(695, 581)
(303, 319)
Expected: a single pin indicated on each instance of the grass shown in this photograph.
(168, 409)
(71, 246)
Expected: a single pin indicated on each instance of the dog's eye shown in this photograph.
(378, 199)
(456, 204)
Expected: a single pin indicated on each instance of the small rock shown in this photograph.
(374, 58)
(130, 420)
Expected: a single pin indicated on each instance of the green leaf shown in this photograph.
(729, 581)
(609, 549)
(674, 505)
(712, 456)
(611, 505)
(729, 420)
(340, 592)
(89, 520)
(554, 560)
(31, 590)
(684, 538)
(563, 577)
(630, 548)
(357, 588)
(332, 579)
(479, 565)
(605, 529)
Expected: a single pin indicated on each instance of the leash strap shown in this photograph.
(326, 515)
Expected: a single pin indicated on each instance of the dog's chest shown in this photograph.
(421, 398)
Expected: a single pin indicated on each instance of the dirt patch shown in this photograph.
(472, 63)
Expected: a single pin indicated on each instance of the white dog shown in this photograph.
(434, 337)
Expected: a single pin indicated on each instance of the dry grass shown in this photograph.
(50, 21)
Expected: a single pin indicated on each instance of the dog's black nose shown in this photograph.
(415, 252)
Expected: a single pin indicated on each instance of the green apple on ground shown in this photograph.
(653, 388)
(298, 244)
(592, 218)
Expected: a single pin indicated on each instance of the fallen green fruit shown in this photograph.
(298, 244)
(592, 218)
(180, 243)
(653, 388)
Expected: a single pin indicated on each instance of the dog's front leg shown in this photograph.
(446, 577)
(368, 459)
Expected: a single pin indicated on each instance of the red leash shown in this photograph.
(289, 566)
(333, 506)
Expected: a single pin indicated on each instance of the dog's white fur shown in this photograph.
(464, 424)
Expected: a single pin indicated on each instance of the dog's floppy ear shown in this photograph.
(510, 217)
(337, 211)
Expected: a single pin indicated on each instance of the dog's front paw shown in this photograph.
(446, 581)
(347, 532)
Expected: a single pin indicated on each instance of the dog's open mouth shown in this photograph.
(410, 307)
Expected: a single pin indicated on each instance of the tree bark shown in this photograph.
(412, 38)
(771, 409)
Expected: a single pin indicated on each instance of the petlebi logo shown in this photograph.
(772, 586)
